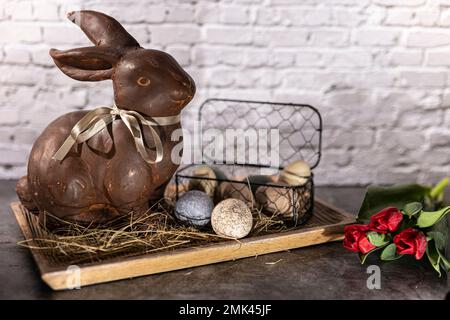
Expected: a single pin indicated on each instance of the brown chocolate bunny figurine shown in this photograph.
(87, 168)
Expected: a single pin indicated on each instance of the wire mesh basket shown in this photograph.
(245, 145)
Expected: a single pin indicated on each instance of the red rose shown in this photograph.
(411, 241)
(386, 220)
(356, 240)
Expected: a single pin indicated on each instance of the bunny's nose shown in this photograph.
(179, 95)
(189, 84)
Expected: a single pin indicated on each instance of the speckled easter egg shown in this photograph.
(296, 173)
(194, 208)
(232, 218)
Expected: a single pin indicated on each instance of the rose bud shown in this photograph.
(355, 238)
(387, 220)
(411, 241)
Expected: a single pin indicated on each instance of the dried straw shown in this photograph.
(155, 231)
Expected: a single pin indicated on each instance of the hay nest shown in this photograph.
(155, 231)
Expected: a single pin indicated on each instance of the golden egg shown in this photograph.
(296, 173)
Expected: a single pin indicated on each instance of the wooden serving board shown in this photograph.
(326, 225)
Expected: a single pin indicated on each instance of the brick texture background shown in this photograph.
(378, 71)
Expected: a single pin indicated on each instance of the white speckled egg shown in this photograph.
(296, 173)
(194, 207)
(232, 218)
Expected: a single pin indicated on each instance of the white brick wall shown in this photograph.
(378, 70)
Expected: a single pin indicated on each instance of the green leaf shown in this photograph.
(444, 262)
(434, 257)
(412, 208)
(427, 219)
(439, 232)
(438, 191)
(390, 253)
(439, 235)
(363, 257)
(377, 198)
(377, 239)
(439, 238)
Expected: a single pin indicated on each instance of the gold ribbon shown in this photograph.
(96, 120)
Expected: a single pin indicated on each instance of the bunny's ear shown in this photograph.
(86, 64)
(102, 30)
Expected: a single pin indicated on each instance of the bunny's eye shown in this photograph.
(143, 81)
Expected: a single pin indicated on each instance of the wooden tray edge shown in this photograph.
(183, 258)
(17, 209)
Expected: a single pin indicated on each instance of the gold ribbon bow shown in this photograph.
(96, 120)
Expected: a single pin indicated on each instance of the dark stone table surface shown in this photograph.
(324, 271)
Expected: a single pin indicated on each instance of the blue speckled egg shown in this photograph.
(194, 207)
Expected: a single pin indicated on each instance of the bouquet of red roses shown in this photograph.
(409, 230)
